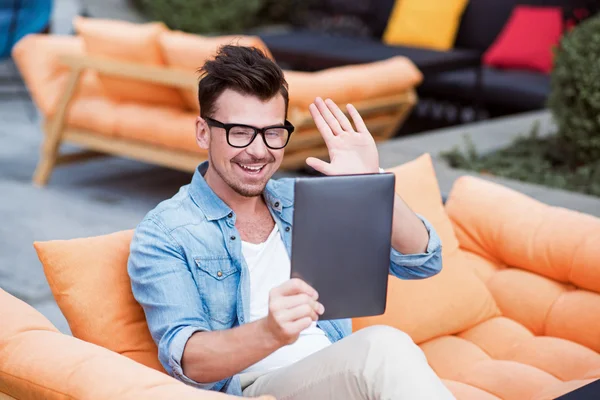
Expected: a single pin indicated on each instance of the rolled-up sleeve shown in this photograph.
(420, 265)
(163, 285)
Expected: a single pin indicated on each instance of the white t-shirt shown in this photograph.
(269, 266)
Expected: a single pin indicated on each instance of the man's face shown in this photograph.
(246, 170)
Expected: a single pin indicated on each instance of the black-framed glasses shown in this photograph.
(275, 137)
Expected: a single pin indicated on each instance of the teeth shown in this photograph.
(251, 168)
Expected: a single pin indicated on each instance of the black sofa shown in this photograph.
(456, 76)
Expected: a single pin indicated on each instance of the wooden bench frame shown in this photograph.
(383, 117)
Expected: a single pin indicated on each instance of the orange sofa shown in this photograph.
(513, 314)
(131, 90)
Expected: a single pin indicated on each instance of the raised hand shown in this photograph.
(352, 150)
(293, 306)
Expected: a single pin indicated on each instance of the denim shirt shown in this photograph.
(188, 273)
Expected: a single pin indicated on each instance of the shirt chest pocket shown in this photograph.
(218, 280)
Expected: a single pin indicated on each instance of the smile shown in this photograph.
(251, 169)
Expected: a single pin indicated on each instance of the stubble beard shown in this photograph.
(240, 188)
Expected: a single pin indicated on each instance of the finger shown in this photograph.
(333, 123)
(286, 302)
(339, 115)
(296, 313)
(357, 119)
(320, 123)
(320, 308)
(300, 325)
(319, 165)
(297, 286)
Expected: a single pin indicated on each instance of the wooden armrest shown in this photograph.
(120, 69)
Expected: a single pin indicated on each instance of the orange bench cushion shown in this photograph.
(128, 42)
(547, 263)
(94, 114)
(353, 83)
(502, 357)
(160, 126)
(38, 362)
(188, 52)
(38, 60)
(165, 127)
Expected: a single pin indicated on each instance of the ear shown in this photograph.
(202, 133)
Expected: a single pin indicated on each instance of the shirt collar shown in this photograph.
(214, 208)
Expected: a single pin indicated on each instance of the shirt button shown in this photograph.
(276, 204)
(219, 274)
(230, 215)
(232, 238)
(287, 228)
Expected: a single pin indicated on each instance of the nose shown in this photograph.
(257, 148)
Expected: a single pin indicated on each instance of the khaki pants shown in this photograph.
(374, 363)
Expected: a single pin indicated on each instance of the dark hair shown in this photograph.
(246, 70)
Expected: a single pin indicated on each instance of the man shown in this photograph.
(211, 266)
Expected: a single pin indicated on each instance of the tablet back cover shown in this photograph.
(341, 241)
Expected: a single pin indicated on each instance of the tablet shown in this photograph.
(341, 241)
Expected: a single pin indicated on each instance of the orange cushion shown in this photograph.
(497, 336)
(554, 264)
(525, 297)
(96, 114)
(111, 319)
(38, 60)
(508, 380)
(561, 358)
(501, 351)
(128, 42)
(189, 52)
(451, 356)
(574, 316)
(463, 391)
(38, 362)
(166, 127)
(422, 308)
(524, 233)
(347, 84)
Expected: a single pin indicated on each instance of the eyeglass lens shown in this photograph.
(241, 136)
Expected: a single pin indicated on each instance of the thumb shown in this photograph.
(319, 165)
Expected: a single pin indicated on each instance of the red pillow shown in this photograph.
(527, 39)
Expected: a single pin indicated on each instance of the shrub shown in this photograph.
(204, 16)
(575, 93)
(530, 158)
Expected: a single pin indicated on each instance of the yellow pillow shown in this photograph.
(424, 23)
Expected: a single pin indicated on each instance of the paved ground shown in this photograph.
(112, 194)
(91, 199)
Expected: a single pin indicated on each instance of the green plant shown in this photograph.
(575, 93)
(205, 16)
(530, 159)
